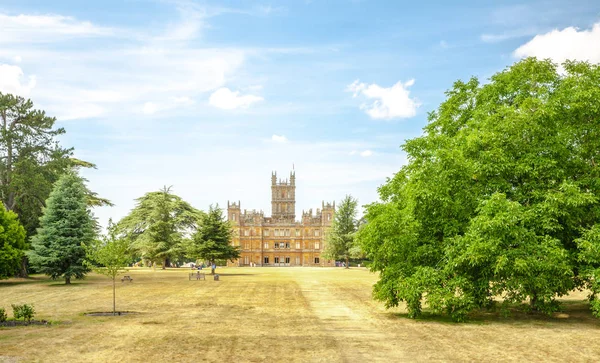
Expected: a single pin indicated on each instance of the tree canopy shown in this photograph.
(12, 243)
(499, 197)
(66, 225)
(211, 241)
(158, 224)
(340, 239)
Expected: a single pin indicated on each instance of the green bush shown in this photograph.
(25, 311)
(2, 315)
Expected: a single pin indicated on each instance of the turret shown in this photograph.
(233, 212)
(327, 213)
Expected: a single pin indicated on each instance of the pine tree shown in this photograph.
(212, 240)
(341, 237)
(67, 223)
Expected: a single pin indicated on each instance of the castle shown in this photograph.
(280, 240)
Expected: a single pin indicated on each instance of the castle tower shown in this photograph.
(283, 197)
(327, 213)
(233, 212)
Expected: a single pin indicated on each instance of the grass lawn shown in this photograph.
(271, 314)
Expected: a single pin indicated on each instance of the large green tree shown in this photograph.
(67, 224)
(12, 243)
(212, 240)
(499, 198)
(158, 224)
(340, 239)
(31, 161)
(109, 256)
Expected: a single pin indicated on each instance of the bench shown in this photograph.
(126, 278)
(198, 276)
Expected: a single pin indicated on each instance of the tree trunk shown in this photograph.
(23, 272)
(347, 264)
(212, 269)
(114, 298)
(533, 302)
(68, 280)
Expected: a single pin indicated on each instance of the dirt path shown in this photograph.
(356, 329)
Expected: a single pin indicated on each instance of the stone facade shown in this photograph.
(281, 240)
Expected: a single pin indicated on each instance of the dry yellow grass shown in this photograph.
(271, 314)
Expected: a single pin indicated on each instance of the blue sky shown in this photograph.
(211, 96)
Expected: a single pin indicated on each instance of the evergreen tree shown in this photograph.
(157, 225)
(12, 243)
(340, 241)
(66, 224)
(212, 240)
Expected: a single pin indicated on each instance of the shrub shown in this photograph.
(2, 315)
(25, 311)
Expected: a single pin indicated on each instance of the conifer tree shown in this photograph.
(212, 240)
(66, 224)
(341, 237)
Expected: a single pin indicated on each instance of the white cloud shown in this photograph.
(81, 111)
(560, 45)
(228, 100)
(109, 78)
(44, 28)
(366, 153)
(149, 108)
(279, 138)
(182, 100)
(17, 59)
(392, 102)
(12, 81)
(353, 152)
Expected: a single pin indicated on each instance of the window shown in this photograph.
(246, 260)
(297, 245)
(316, 260)
(328, 216)
(281, 245)
(275, 245)
(287, 245)
(233, 217)
(297, 260)
(276, 259)
(316, 233)
(246, 232)
(297, 233)
(266, 245)
(276, 233)
(317, 245)
(247, 245)
(266, 260)
(266, 232)
(287, 260)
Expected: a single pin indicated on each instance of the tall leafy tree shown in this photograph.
(12, 243)
(67, 224)
(31, 161)
(158, 224)
(212, 240)
(500, 196)
(109, 256)
(340, 240)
